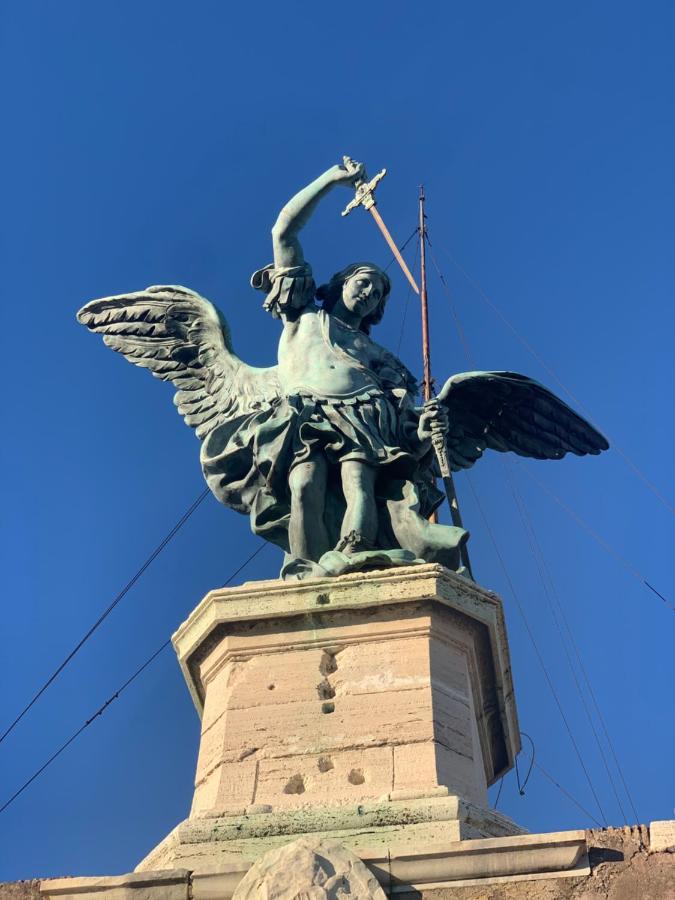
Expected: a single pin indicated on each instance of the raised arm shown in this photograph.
(296, 213)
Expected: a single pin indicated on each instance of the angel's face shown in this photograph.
(362, 292)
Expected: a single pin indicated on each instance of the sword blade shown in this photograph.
(392, 246)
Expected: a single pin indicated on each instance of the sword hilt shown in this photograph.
(438, 441)
(364, 188)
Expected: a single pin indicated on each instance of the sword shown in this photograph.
(365, 197)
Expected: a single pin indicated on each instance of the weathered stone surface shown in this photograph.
(312, 869)
(397, 825)
(612, 864)
(172, 885)
(345, 690)
(20, 890)
(621, 869)
(662, 835)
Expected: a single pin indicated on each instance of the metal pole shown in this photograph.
(438, 439)
(426, 355)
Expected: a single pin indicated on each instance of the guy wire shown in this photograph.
(407, 300)
(469, 355)
(104, 615)
(402, 247)
(567, 794)
(629, 462)
(535, 646)
(627, 565)
(112, 698)
(546, 581)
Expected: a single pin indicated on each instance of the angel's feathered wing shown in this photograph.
(181, 337)
(509, 412)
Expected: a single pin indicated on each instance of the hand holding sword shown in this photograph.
(365, 197)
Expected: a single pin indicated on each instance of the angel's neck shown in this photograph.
(346, 316)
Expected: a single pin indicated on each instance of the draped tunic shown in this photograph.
(342, 395)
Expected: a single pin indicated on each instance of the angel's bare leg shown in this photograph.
(307, 533)
(358, 486)
(429, 541)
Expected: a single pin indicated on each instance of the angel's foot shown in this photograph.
(297, 568)
(336, 563)
(354, 542)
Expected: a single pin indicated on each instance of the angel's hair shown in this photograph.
(330, 293)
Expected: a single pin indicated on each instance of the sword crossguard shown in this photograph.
(364, 189)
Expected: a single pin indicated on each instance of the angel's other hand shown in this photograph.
(433, 420)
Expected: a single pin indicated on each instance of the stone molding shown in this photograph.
(394, 825)
(623, 862)
(162, 885)
(419, 868)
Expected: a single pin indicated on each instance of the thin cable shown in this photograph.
(79, 731)
(535, 646)
(125, 590)
(588, 684)
(568, 795)
(245, 563)
(402, 248)
(110, 699)
(453, 309)
(596, 537)
(629, 462)
(543, 571)
(521, 788)
(469, 356)
(499, 792)
(407, 302)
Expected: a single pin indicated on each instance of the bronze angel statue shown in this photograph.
(327, 452)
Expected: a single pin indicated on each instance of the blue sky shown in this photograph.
(154, 142)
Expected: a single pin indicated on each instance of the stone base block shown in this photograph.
(416, 871)
(394, 826)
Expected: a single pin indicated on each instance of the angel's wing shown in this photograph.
(181, 337)
(506, 411)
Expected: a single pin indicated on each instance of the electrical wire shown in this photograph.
(453, 310)
(111, 699)
(402, 247)
(628, 461)
(542, 569)
(499, 792)
(468, 354)
(79, 731)
(536, 647)
(521, 787)
(106, 612)
(627, 565)
(471, 361)
(532, 538)
(568, 795)
(407, 301)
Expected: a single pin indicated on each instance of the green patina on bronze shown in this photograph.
(328, 452)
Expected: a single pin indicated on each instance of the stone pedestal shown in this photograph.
(374, 709)
(348, 690)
